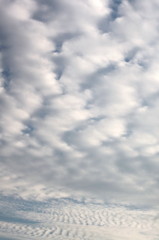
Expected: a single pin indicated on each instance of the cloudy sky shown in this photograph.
(79, 103)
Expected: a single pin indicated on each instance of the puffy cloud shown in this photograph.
(79, 99)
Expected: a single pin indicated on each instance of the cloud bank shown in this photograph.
(67, 219)
(79, 99)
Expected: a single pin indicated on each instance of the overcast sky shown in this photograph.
(79, 104)
(79, 100)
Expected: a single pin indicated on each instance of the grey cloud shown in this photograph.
(75, 99)
(115, 5)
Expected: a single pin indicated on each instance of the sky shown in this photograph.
(79, 132)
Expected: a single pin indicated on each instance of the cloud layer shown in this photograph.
(79, 99)
(67, 219)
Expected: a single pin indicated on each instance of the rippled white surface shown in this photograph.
(73, 220)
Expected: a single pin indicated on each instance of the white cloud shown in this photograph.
(79, 97)
(68, 219)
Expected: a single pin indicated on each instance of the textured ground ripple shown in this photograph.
(67, 219)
